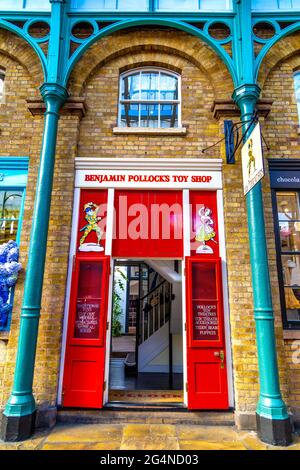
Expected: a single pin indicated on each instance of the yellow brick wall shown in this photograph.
(96, 77)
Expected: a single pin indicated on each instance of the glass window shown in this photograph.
(190, 5)
(106, 5)
(288, 246)
(10, 209)
(297, 91)
(2, 77)
(149, 98)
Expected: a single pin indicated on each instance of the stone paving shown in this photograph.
(144, 437)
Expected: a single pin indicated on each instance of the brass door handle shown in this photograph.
(221, 355)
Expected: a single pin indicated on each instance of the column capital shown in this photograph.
(54, 95)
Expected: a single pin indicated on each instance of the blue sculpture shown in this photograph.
(9, 269)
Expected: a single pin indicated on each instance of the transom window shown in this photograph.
(149, 98)
(297, 91)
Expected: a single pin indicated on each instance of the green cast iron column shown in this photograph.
(19, 414)
(272, 418)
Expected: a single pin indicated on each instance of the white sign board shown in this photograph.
(252, 160)
(148, 179)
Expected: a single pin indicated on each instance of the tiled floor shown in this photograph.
(144, 437)
(143, 381)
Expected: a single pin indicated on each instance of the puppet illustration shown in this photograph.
(251, 158)
(205, 231)
(91, 210)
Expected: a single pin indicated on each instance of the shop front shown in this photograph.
(168, 216)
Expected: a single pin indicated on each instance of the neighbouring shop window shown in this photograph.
(289, 230)
(149, 98)
(288, 253)
(2, 78)
(297, 91)
(13, 180)
(10, 212)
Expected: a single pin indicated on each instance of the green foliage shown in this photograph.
(117, 302)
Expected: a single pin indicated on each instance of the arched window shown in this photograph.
(2, 77)
(297, 90)
(149, 97)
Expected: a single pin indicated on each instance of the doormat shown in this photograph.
(146, 396)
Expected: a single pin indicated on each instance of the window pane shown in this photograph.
(215, 5)
(291, 270)
(297, 91)
(168, 115)
(129, 115)
(264, 4)
(176, 5)
(292, 303)
(289, 236)
(204, 281)
(288, 206)
(291, 279)
(132, 5)
(168, 87)
(131, 87)
(10, 205)
(100, 5)
(149, 86)
(149, 115)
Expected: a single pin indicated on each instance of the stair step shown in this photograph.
(148, 415)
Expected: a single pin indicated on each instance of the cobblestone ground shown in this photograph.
(144, 437)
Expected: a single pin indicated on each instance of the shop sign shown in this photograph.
(148, 179)
(283, 179)
(252, 160)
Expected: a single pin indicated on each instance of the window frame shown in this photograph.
(13, 177)
(141, 101)
(280, 169)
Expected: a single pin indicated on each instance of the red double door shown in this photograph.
(83, 384)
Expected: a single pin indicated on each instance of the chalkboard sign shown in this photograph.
(205, 320)
(87, 318)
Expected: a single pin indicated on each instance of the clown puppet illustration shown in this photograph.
(92, 218)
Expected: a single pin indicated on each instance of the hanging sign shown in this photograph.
(252, 160)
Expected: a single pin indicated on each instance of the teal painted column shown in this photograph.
(273, 422)
(19, 414)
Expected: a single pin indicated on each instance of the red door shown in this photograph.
(206, 356)
(86, 339)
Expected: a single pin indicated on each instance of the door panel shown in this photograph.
(85, 351)
(206, 356)
(148, 224)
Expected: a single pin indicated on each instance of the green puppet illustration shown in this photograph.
(91, 211)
